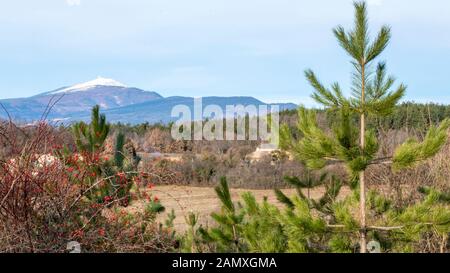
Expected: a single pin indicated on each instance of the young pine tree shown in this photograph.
(372, 95)
(118, 171)
(91, 137)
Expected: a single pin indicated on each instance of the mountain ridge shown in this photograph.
(119, 102)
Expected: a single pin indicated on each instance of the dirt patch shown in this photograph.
(203, 201)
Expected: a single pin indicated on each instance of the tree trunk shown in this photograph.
(362, 199)
(362, 187)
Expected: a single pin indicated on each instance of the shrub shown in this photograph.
(50, 196)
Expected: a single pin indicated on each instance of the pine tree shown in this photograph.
(250, 226)
(242, 227)
(91, 137)
(118, 171)
(228, 233)
(372, 95)
(326, 225)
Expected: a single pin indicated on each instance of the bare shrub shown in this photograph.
(46, 199)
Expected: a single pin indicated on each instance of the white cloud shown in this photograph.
(73, 2)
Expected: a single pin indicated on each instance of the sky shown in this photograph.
(199, 48)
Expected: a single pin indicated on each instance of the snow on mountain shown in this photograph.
(118, 102)
(78, 98)
(89, 85)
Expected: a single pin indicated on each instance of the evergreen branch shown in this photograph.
(379, 44)
(385, 105)
(443, 196)
(224, 195)
(381, 84)
(412, 151)
(119, 155)
(360, 33)
(282, 198)
(321, 94)
(285, 137)
(315, 148)
(345, 43)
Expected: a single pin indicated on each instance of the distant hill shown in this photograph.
(119, 102)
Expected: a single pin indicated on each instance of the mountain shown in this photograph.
(160, 110)
(78, 98)
(119, 102)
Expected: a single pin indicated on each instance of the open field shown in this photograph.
(203, 201)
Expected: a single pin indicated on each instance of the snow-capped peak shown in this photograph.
(90, 84)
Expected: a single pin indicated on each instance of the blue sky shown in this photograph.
(214, 47)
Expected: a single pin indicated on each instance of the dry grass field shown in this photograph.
(203, 201)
